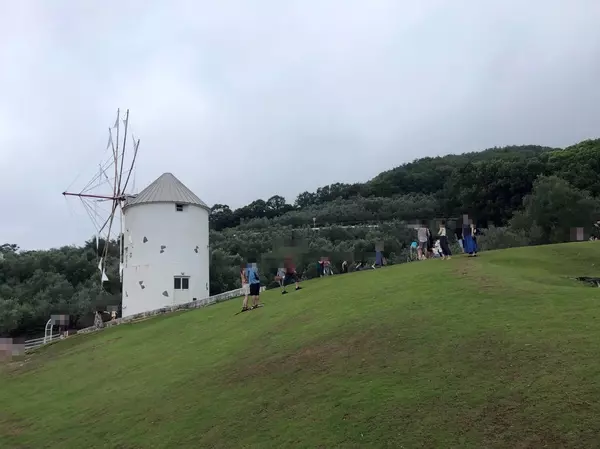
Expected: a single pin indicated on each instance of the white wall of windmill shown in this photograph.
(167, 256)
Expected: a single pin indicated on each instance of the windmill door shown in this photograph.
(181, 290)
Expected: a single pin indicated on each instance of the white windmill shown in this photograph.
(162, 233)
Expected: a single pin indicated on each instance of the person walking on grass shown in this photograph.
(446, 253)
(254, 281)
(468, 241)
(430, 243)
(423, 239)
(245, 287)
(474, 233)
(290, 274)
(281, 278)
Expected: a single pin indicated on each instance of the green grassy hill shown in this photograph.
(501, 351)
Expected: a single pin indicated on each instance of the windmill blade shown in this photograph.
(121, 242)
(101, 227)
(110, 140)
(135, 152)
(110, 223)
(102, 172)
(119, 183)
(116, 193)
(116, 172)
(116, 164)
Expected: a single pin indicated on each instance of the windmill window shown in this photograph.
(179, 207)
(181, 283)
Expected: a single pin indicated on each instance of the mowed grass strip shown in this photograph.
(499, 351)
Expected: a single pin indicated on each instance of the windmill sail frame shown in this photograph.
(118, 196)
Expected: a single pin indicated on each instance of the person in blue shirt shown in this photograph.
(254, 281)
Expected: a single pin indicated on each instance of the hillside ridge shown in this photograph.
(498, 351)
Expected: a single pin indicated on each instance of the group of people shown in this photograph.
(324, 267)
(250, 285)
(251, 281)
(427, 248)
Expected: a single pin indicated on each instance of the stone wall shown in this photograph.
(187, 306)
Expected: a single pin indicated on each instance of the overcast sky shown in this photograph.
(246, 99)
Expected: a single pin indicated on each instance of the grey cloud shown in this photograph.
(242, 100)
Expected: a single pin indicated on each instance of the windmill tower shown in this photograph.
(162, 232)
(165, 247)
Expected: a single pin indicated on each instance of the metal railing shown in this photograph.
(36, 342)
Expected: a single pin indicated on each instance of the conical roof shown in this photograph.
(166, 189)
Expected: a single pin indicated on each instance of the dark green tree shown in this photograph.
(554, 210)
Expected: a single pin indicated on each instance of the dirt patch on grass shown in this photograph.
(30, 361)
(34, 359)
(11, 428)
(504, 422)
(510, 417)
(319, 357)
(496, 354)
(304, 317)
(470, 268)
(21, 364)
(488, 391)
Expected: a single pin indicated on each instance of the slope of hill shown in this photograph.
(497, 351)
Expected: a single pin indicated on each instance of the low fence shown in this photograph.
(35, 343)
(168, 309)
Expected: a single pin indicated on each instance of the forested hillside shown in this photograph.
(522, 194)
(440, 182)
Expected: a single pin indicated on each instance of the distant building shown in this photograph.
(165, 247)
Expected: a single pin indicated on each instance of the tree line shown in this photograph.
(522, 195)
(439, 179)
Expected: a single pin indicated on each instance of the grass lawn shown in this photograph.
(501, 351)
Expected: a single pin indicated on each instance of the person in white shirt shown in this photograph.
(281, 279)
(423, 239)
(437, 249)
(446, 253)
(245, 286)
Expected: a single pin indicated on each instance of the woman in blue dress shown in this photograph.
(469, 242)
